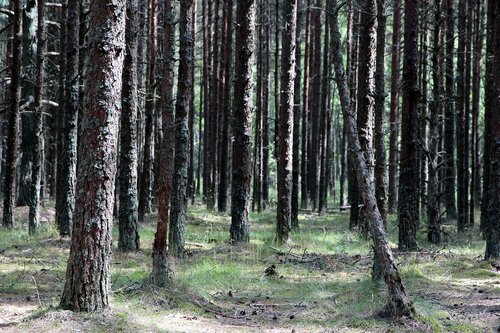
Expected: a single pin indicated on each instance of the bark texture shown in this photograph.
(181, 163)
(242, 125)
(408, 167)
(284, 209)
(88, 274)
(128, 236)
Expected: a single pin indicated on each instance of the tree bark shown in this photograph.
(394, 123)
(88, 274)
(186, 63)
(305, 111)
(409, 171)
(147, 164)
(36, 172)
(128, 236)
(284, 213)
(160, 275)
(491, 216)
(13, 118)
(242, 125)
(398, 302)
(449, 125)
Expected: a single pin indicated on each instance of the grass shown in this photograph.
(331, 291)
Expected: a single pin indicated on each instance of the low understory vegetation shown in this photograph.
(318, 283)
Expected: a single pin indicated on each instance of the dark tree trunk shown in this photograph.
(27, 98)
(265, 105)
(160, 275)
(36, 172)
(436, 106)
(296, 120)
(192, 113)
(72, 103)
(366, 86)
(394, 122)
(179, 199)
(257, 150)
(323, 123)
(490, 216)
(462, 127)
(449, 125)
(408, 172)
(226, 112)
(13, 117)
(353, 193)
(284, 213)
(88, 274)
(147, 164)
(128, 236)
(242, 125)
(206, 99)
(475, 184)
(380, 155)
(305, 110)
(59, 137)
(398, 302)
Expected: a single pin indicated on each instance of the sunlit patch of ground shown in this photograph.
(319, 283)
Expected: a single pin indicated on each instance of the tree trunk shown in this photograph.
(436, 106)
(409, 171)
(242, 125)
(296, 120)
(36, 172)
(72, 93)
(147, 164)
(284, 222)
(398, 302)
(27, 98)
(179, 199)
(128, 236)
(160, 275)
(13, 118)
(226, 112)
(394, 123)
(88, 274)
(380, 155)
(305, 110)
(461, 124)
(449, 125)
(491, 216)
(475, 184)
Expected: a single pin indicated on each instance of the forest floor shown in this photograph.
(320, 282)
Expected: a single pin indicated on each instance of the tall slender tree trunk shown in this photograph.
(380, 154)
(72, 103)
(475, 184)
(398, 302)
(186, 66)
(265, 105)
(242, 125)
(436, 106)
(147, 164)
(449, 125)
(30, 14)
(36, 172)
(88, 274)
(160, 275)
(296, 119)
(226, 112)
(490, 210)
(461, 124)
(284, 209)
(128, 236)
(305, 111)
(13, 117)
(408, 172)
(394, 122)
